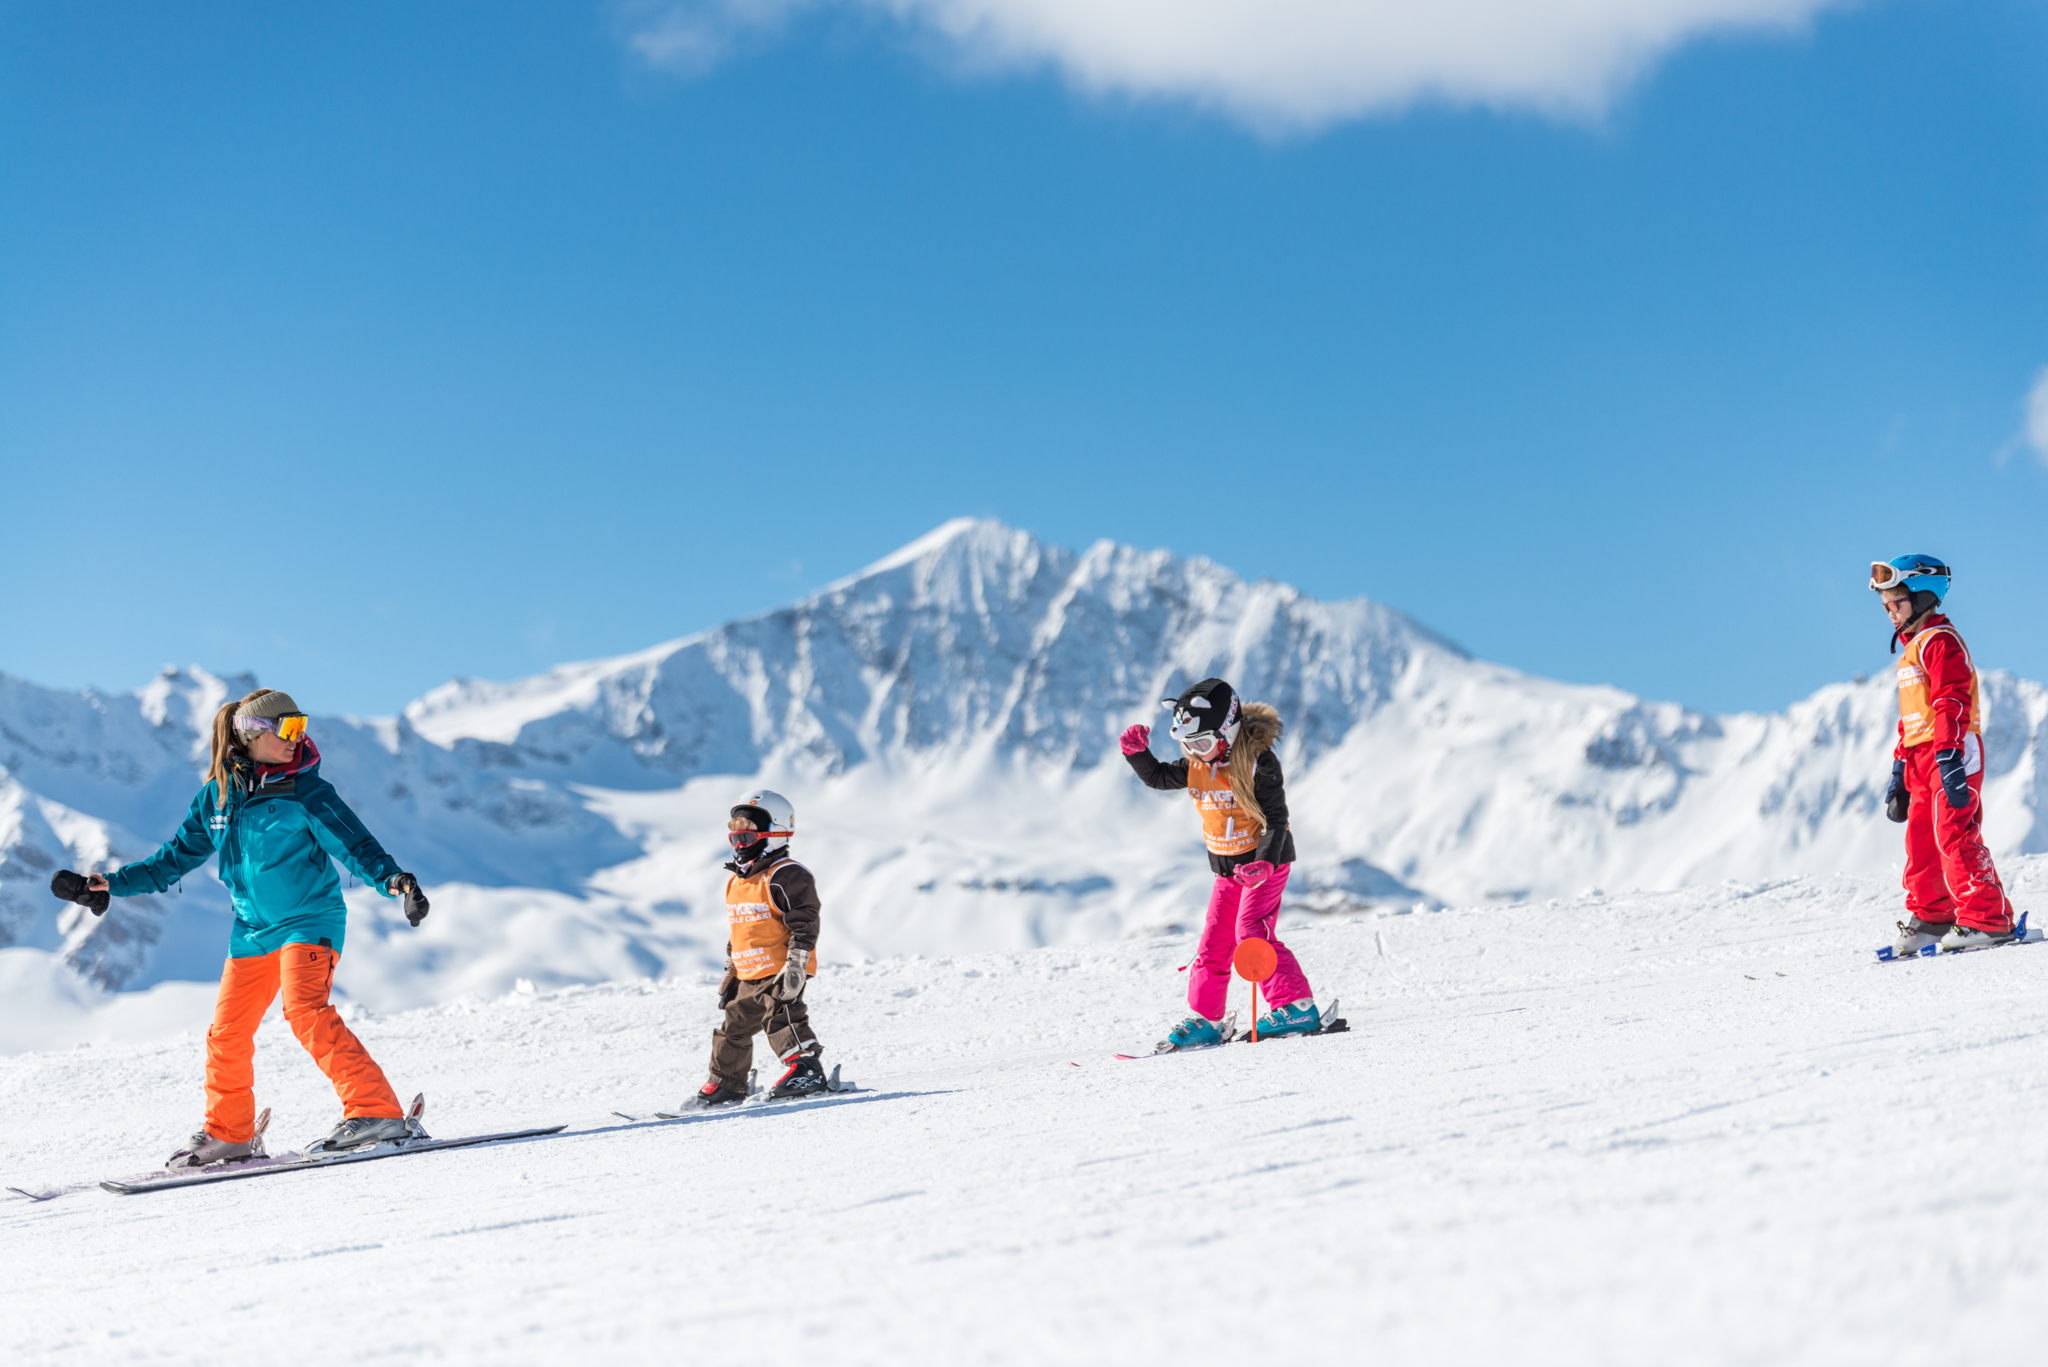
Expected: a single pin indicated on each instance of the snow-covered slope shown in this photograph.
(945, 722)
(1697, 1127)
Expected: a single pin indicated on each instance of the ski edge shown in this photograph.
(205, 1177)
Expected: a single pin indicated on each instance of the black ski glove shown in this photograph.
(1896, 798)
(728, 987)
(72, 888)
(1954, 782)
(416, 904)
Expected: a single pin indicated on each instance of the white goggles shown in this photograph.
(1884, 575)
(1196, 735)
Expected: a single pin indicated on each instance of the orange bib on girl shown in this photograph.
(759, 938)
(1226, 828)
(1916, 710)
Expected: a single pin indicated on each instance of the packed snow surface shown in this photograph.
(1696, 1126)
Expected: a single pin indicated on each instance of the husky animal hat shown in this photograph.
(1208, 709)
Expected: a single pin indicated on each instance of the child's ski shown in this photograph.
(2020, 936)
(833, 1087)
(1227, 1027)
(1335, 1025)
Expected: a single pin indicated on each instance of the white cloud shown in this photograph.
(1278, 63)
(2037, 416)
(689, 37)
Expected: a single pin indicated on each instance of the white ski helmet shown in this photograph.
(770, 812)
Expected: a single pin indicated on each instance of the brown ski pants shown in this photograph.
(753, 1008)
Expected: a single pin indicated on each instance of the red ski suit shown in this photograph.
(1949, 874)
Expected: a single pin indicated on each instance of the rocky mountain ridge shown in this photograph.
(945, 721)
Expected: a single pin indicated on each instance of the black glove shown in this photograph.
(729, 988)
(1896, 798)
(1954, 782)
(416, 905)
(71, 887)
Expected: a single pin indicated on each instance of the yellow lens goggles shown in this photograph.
(290, 727)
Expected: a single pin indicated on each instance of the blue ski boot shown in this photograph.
(1196, 1032)
(1295, 1018)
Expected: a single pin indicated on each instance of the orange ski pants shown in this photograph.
(247, 987)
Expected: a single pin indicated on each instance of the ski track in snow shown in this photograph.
(1690, 1127)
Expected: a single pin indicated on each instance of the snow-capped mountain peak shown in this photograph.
(945, 721)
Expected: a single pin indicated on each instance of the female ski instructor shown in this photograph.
(277, 826)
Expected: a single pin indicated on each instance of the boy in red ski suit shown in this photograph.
(1953, 894)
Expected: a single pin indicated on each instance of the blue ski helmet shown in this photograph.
(1914, 573)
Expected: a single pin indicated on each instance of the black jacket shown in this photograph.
(1269, 786)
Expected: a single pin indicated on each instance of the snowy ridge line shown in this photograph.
(945, 722)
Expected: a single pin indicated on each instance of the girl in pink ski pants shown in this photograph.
(1240, 913)
(1230, 770)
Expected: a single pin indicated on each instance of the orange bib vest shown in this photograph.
(1916, 710)
(759, 938)
(1225, 827)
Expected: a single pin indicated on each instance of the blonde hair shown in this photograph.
(1244, 766)
(227, 743)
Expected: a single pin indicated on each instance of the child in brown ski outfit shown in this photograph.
(771, 904)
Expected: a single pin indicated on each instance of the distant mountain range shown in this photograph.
(945, 722)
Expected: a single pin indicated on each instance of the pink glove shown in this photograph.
(1136, 738)
(1252, 874)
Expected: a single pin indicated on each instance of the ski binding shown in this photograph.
(2021, 935)
(833, 1087)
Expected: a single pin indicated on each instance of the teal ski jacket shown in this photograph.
(277, 839)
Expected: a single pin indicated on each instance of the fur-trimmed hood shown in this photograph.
(1259, 728)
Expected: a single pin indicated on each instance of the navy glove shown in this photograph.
(72, 888)
(1896, 798)
(416, 904)
(728, 987)
(1954, 782)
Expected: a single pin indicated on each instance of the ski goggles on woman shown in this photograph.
(290, 727)
(1884, 575)
(1202, 746)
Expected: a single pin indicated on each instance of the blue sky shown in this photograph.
(365, 348)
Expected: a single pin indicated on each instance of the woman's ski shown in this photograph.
(263, 1165)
